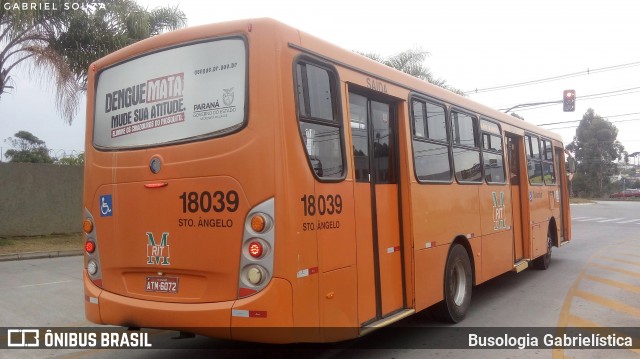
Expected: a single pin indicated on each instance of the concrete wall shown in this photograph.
(40, 199)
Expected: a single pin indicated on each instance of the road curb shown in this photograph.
(38, 255)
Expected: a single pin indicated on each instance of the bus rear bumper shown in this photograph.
(254, 318)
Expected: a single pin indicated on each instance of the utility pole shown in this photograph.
(530, 104)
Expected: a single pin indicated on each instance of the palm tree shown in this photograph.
(59, 45)
(24, 35)
(89, 36)
(412, 62)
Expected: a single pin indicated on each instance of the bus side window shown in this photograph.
(492, 153)
(319, 119)
(466, 151)
(534, 163)
(430, 142)
(548, 168)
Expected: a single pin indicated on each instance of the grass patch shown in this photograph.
(54, 242)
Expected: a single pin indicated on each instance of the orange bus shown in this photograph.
(248, 175)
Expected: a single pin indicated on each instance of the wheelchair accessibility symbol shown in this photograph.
(106, 206)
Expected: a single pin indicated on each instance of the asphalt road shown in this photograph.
(593, 281)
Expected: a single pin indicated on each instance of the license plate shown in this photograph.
(162, 284)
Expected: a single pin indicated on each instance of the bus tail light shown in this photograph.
(92, 267)
(87, 226)
(254, 274)
(91, 253)
(260, 223)
(90, 246)
(258, 244)
(255, 249)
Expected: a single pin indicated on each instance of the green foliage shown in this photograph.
(59, 45)
(27, 148)
(624, 184)
(72, 160)
(629, 172)
(90, 35)
(412, 62)
(626, 157)
(596, 147)
(24, 38)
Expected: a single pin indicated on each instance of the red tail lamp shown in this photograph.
(89, 246)
(255, 249)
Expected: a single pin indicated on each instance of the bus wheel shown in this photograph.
(544, 261)
(457, 287)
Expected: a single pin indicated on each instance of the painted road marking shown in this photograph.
(577, 321)
(620, 260)
(620, 220)
(590, 219)
(613, 269)
(629, 221)
(611, 220)
(627, 254)
(39, 284)
(612, 283)
(607, 302)
(613, 297)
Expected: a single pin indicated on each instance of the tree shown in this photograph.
(90, 35)
(25, 35)
(596, 147)
(72, 160)
(411, 62)
(27, 148)
(59, 45)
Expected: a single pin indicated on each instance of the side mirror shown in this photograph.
(571, 165)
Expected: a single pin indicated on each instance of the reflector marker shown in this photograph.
(245, 292)
(257, 314)
(241, 313)
(92, 300)
(430, 244)
(307, 272)
(393, 249)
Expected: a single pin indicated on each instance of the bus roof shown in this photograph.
(329, 52)
(342, 56)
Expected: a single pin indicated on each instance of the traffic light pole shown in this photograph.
(531, 104)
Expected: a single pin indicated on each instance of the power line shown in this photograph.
(574, 126)
(584, 97)
(554, 78)
(561, 122)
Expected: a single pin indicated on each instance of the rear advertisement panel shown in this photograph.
(193, 91)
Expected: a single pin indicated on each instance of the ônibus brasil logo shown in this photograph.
(158, 253)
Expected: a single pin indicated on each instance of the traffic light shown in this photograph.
(569, 100)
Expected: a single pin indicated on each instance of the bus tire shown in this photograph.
(543, 262)
(457, 287)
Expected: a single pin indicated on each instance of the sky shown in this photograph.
(588, 46)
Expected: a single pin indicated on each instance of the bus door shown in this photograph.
(379, 255)
(560, 179)
(513, 150)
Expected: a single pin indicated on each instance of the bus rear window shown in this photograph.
(179, 94)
